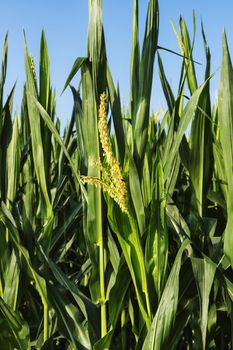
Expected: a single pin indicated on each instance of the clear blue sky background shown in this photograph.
(65, 24)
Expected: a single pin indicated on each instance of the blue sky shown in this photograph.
(65, 24)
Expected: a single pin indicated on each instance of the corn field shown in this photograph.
(118, 232)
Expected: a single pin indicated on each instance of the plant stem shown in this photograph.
(102, 290)
(46, 321)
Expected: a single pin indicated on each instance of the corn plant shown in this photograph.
(116, 232)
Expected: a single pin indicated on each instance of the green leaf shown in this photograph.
(3, 79)
(44, 73)
(70, 322)
(166, 87)
(55, 133)
(8, 176)
(13, 164)
(204, 272)
(115, 102)
(134, 62)
(45, 212)
(116, 303)
(225, 114)
(166, 312)
(93, 211)
(88, 309)
(140, 120)
(7, 219)
(185, 118)
(95, 30)
(188, 48)
(76, 66)
(136, 194)
(11, 289)
(201, 152)
(157, 238)
(16, 329)
(127, 233)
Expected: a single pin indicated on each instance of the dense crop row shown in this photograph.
(119, 234)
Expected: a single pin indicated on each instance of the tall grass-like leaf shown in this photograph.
(225, 114)
(6, 146)
(188, 48)
(95, 33)
(96, 48)
(116, 303)
(88, 309)
(140, 120)
(180, 323)
(7, 219)
(146, 180)
(56, 135)
(69, 322)
(186, 116)
(165, 315)
(8, 178)
(44, 73)
(157, 238)
(68, 222)
(13, 328)
(134, 62)
(166, 87)
(40, 283)
(200, 165)
(76, 66)
(125, 228)
(115, 103)
(93, 218)
(45, 209)
(3, 79)
(13, 164)
(48, 102)
(11, 289)
(220, 169)
(173, 124)
(69, 133)
(27, 175)
(93, 85)
(201, 152)
(77, 269)
(204, 271)
(136, 194)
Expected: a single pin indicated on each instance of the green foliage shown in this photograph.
(76, 272)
